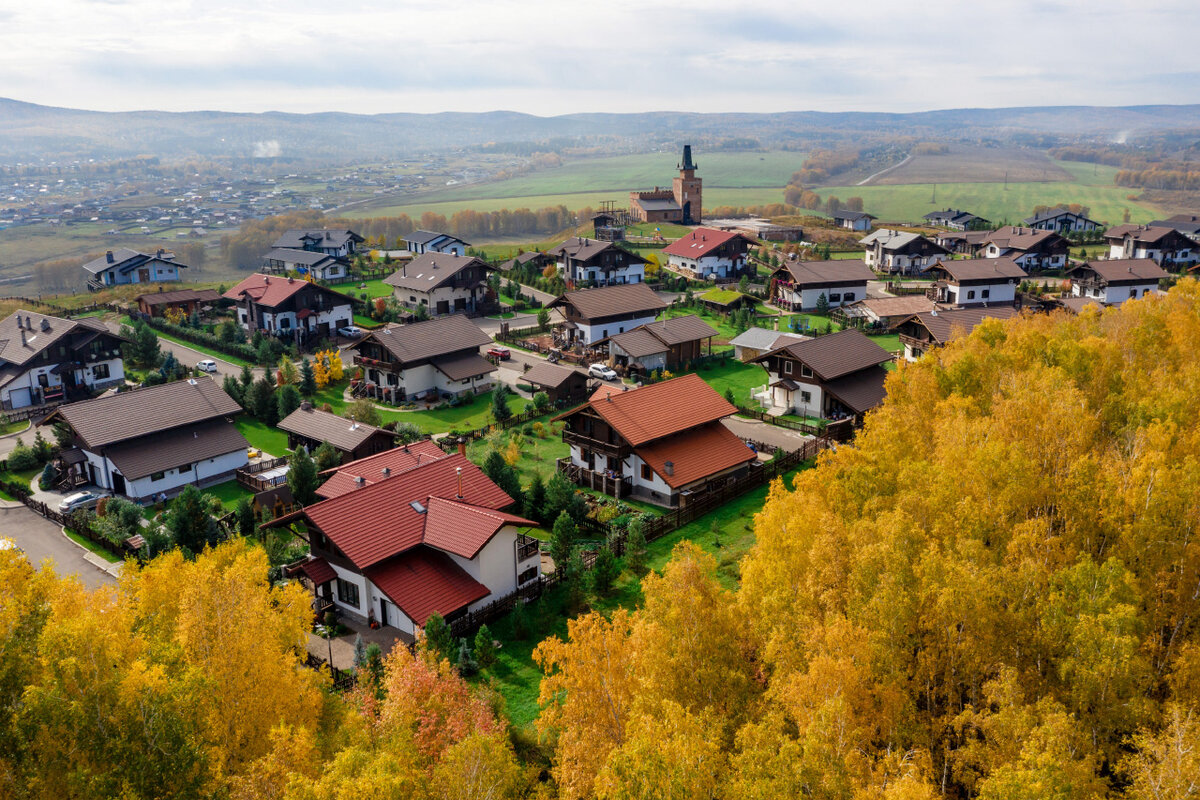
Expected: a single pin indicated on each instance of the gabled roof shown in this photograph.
(608, 301)
(322, 237)
(543, 373)
(657, 204)
(835, 354)
(702, 241)
(37, 337)
(171, 448)
(695, 454)
(1014, 237)
(584, 249)
(852, 215)
(428, 271)
(463, 529)
(180, 296)
(273, 290)
(124, 259)
(342, 433)
(827, 273)
(860, 391)
(974, 269)
(661, 409)
(1122, 269)
(765, 338)
(952, 215)
(381, 466)
(460, 366)
(423, 581)
(154, 409)
(1144, 234)
(1055, 213)
(657, 336)
(426, 237)
(945, 326)
(421, 341)
(893, 306)
(309, 258)
(895, 240)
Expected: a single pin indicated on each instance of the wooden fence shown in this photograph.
(32, 412)
(343, 679)
(363, 275)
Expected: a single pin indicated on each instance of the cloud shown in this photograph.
(268, 149)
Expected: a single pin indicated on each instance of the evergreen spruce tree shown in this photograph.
(308, 381)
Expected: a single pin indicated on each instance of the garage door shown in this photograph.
(20, 398)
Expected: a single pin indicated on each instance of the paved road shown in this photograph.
(41, 539)
(762, 432)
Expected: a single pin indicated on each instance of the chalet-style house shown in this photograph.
(46, 360)
(124, 266)
(1114, 281)
(353, 475)
(853, 220)
(537, 258)
(681, 204)
(338, 244)
(753, 342)
(1187, 224)
(956, 220)
(432, 358)
(442, 283)
(1032, 249)
(1166, 247)
(287, 307)
(591, 262)
(1060, 220)
(799, 285)
(711, 255)
(882, 312)
(897, 252)
(838, 376)
(975, 281)
(595, 314)
(431, 539)
(309, 427)
(185, 301)
(321, 266)
(921, 332)
(660, 443)
(662, 344)
(966, 242)
(419, 242)
(560, 383)
(152, 442)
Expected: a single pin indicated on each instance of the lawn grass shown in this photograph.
(888, 341)
(735, 375)
(229, 493)
(92, 547)
(262, 436)
(476, 413)
(722, 296)
(537, 455)
(14, 427)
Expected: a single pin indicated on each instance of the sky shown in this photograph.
(550, 57)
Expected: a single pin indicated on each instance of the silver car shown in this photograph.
(74, 502)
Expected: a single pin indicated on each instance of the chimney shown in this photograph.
(360, 481)
(418, 459)
(462, 446)
(386, 472)
(22, 337)
(160, 252)
(20, 323)
(108, 256)
(306, 406)
(291, 279)
(45, 324)
(669, 467)
(266, 278)
(458, 471)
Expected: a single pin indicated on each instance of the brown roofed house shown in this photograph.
(1164, 246)
(442, 283)
(185, 301)
(662, 344)
(921, 332)
(592, 262)
(1112, 282)
(595, 314)
(46, 360)
(424, 359)
(560, 383)
(1030, 248)
(975, 281)
(308, 427)
(799, 285)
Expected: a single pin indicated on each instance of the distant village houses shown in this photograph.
(853, 220)
(1033, 250)
(1060, 220)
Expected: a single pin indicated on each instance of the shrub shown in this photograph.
(22, 457)
(485, 647)
(604, 572)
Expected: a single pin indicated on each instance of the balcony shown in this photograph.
(527, 548)
(595, 445)
(376, 363)
(915, 343)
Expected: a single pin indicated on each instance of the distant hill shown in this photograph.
(34, 132)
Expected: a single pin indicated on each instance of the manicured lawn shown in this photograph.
(889, 342)
(91, 547)
(537, 455)
(735, 375)
(229, 493)
(13, 427)
(807, 323)
(22, 477)
(474, 414)
(263, 437)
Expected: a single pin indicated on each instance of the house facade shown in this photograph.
(437, 357)
(1166, 247)
(595, 314)
(290, 308)
(662, 344)
(711, 255)
(1114, 281)
(1030, 248)
(976, 281)
(681, 204)
(321, 266)
(560, 383)
(420, 242)
(442, 283)
(46, 360)
(920, 333)
(897, 252)
(661, 442)
(799, 285)
(124, 266)
(834, 377)
(339, 244)
(853, 220)
(587, 262)
(152, 442)
(1060, 220)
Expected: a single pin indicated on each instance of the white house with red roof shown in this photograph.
(709, 254)
(284, 306)
(396, 547)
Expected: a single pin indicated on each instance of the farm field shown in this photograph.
(976, 164)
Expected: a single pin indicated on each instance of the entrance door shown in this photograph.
(143, 276)
(383, 617)
(118, 483)
(443, 306)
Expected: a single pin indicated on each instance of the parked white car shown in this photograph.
(74, 502)
(206, 365)
(602, 372)
(350, 331)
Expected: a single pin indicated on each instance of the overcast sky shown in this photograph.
(560, 56)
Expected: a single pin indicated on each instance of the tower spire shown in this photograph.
(687, 158)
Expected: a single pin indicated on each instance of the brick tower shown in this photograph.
(686, 189)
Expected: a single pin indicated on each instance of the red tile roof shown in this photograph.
(318, 571)
(463, 529)
(370, 469)
(699, 242)
(423, 581)
(695, 454)
(266, 290)
(660, 409)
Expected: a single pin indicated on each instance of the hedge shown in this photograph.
(195, 336)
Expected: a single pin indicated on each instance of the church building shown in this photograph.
(680, 204)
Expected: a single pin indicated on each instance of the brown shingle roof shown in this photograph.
(584, 249)
(430, 270)
(608, 301)
(157, 452)
(424, 340)
(896, 306)
(656, 337)
(543, 373)
(1140, 233)
(835, 355)
(1012, 237)
(827, 273)
(180, 296)
(972, 269)
(862, 390)
(460, 366)
(695, 454)
(36, 339)
(660, 409)
(1123, 269)
(342, 433)
(944, 326)
(128, 415)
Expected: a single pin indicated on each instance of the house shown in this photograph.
(419, 242)
(149, 443)
(321, 266)
(881, 312)
(799, 285)
(968, 242)
(442, 283)
(535, 258)
(287, 307)
(1114, 281)
(921, 332)
(898, 252)
(1187, 224)
(1061, 221)
(1166, 247)
(437, 357)
(397, 551)
(184, 301)
(956, 220)
(46, 359)
(561, 384)
(308, 427)
(837, 376)
(681, 204)
(662, 344)
(759, 228)
(591, 262)
(1032, 249)
(753, 342)
(595, 314)
(853, 220)
(354, 475)
(983, 281)
(339, 244)
(124, 266)
(661, 443)
(711, 255)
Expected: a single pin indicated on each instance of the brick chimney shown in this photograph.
(462, 445)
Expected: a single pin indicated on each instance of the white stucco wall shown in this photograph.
(808, 297)
(709, 266)
(593, 333)
(997, 293)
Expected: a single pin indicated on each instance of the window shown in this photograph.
(848, 297)
(467, 382)
(805, 372)
(787, 368)
(1133, 292)
(835, 298)
(971, 295)
(647, 473)
(185, 468)
(158, 476)
(347, 592)
(985, 293)
(805, 397)
(100, 371)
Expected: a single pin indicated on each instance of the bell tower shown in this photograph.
(686, 189)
